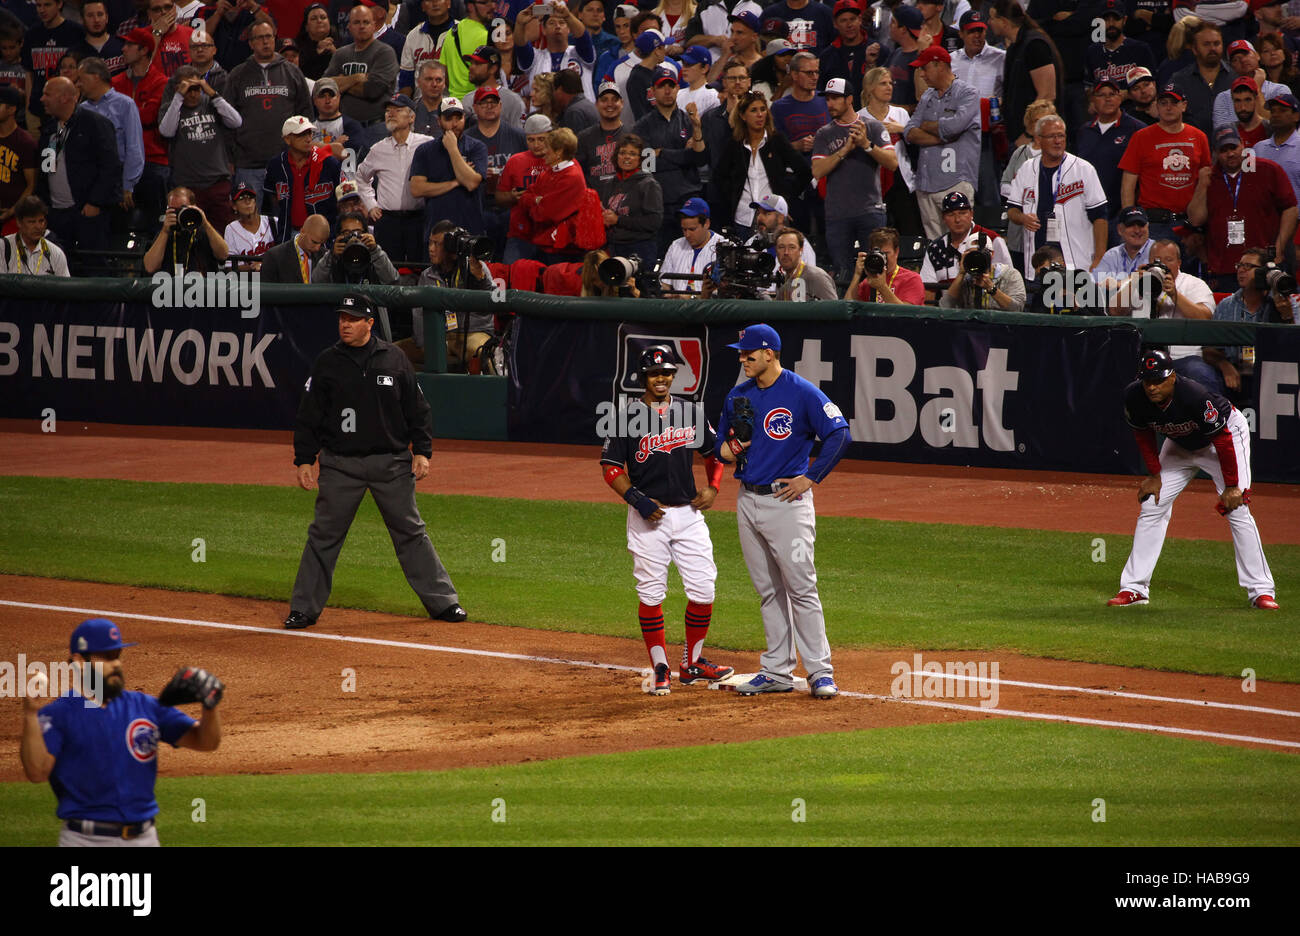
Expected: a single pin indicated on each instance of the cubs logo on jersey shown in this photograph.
(779, 424)
(142, 739)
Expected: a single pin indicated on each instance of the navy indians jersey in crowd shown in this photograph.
(1191, 418)
(658, 446)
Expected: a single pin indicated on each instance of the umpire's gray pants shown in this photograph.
(343, 482)
(776, 538)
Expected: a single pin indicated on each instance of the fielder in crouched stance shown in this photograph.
(657, 442)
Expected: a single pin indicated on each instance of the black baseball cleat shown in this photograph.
(297, 621)
(455, 614)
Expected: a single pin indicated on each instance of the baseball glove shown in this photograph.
(742, 418)
(191, 684)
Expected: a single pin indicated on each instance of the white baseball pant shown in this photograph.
(680, 536)
(1177, 467)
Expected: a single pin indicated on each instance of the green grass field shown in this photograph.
(979, 783)
(565, 568)
(931, 586)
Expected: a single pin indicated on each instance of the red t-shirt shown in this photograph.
(521, 171)
(1262, 197)
(907, 286)
(1166, 165)
(1251, 137)
(173, 50)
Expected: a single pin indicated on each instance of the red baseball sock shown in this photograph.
(697, 627)
(652, 632)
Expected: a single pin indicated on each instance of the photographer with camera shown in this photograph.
(1162, 289)
(356, 257)
(877, 277)
(943, 255)
(457, 260)
(693, 252)
(1058, 290)
(803, 282)
(984, 283)
(187, 242)
(1265, 293)
(610, 277)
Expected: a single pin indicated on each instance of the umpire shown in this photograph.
(363, 412)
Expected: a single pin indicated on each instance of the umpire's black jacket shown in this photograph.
(378, 383)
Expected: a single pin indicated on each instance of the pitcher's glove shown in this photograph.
(191, 684)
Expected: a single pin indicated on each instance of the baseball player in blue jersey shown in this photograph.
(768, 425)
(657, 442)
(100, 751)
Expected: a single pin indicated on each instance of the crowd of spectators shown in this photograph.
(871, 148)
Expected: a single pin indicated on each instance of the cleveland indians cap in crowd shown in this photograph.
(973, 19)
(665, 73)
(294, 126)
(836, 86)
(745, 18)
(485, 92)
(1172, 91)
(241, 189)
(400, 100)
(779, 47)
(96, 635)
(1226, 135)
(846, 6)
(955, 201)
(1132, 215)
(1241, 45)
(1286, 100)
(450, 105)
(346, 189)
(1135, 75)
(1155, 366)
(757, 336)
(1106, 83)
(930, 54)
(1244, 81)
(484, 55)
(608, 87)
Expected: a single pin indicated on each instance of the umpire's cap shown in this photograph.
(657, 357)
(1155, 366)
(96, 635)
(356, 306)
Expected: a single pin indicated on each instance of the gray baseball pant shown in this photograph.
(776, 538)
(343, 482)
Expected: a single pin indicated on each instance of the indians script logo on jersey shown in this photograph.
(142, 739)
(1211, 414)
(674, 437)
(779, 424)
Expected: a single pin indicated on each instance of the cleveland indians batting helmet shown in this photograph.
(1155, 366)
(657, 357)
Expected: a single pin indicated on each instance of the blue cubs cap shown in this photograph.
(694, 208)
(696, 55)
(648, 41)
(96, 635)
(757, 336)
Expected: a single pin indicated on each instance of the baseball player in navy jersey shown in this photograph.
(768, 425)
(665, 519)
(1202, 431)
(100, 751)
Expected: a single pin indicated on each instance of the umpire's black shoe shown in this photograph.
(297, 620)
(455, 614)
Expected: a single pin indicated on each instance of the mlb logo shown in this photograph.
(690, 351)
(384, 380)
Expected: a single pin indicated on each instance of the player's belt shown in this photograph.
(110, 829)
(760, 488)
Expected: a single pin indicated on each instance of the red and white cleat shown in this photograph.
(1267, 602)
(1127, 597)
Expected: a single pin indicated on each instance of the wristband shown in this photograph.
(640, 502)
